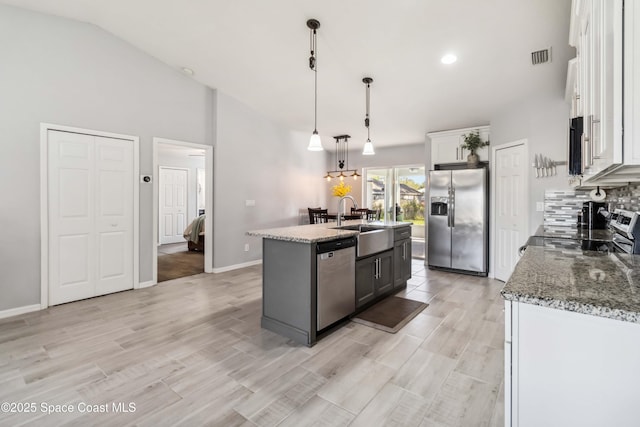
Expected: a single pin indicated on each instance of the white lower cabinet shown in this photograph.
(568, 369)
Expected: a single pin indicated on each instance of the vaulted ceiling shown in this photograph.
(257, 51)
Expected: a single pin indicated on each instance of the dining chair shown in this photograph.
(368, 214)
(317, 215)
(373, 214)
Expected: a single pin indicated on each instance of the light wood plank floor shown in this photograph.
(191, 352)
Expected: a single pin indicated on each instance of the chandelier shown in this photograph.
(342, 160)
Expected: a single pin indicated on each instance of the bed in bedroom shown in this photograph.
(195, 235)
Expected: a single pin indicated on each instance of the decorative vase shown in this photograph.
(472, 160)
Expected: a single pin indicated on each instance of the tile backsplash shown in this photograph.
(625, 197)
(561, 208)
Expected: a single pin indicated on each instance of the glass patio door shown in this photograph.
(398, 193)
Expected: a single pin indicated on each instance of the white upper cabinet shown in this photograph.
(631, 107)
(446, 146)
(601, 91)
(572, 95)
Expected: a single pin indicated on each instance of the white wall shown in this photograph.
(60, 71)
(255, 159)
(65, 72)
(542, 120)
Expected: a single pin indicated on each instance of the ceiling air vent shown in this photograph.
(541, 56)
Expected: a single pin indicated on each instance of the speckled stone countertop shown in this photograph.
(319, 232)
(575, 233)
(588, 282)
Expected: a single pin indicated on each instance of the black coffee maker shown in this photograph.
(592, 216)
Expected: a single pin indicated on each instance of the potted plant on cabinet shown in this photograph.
(473, 142)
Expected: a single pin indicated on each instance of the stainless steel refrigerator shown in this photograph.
(458, 232)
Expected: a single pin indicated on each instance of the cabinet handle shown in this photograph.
(586, 143)
(594, 121)
(582, 162)
(404, 250)
(589, 145)
(378, 268)
(457, 155)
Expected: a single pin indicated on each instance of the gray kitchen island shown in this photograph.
(316, 276)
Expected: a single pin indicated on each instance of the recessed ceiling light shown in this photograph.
(449, 58)
(187, 71)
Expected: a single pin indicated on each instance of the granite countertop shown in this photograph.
(588, 282)
(320, 232)
(575, 233)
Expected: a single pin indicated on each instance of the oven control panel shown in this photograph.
(626, 226)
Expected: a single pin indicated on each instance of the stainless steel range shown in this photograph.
(626, 228)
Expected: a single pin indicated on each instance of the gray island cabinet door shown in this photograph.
(408, 256)
(374, 277)
(384, 281)
(401, 262)
(365, 283)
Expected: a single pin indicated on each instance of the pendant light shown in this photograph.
(368, 146)
(342, 160)
(314, 142)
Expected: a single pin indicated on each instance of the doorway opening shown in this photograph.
(398, 193)
(181, 203)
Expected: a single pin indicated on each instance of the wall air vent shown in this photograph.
(541, 56)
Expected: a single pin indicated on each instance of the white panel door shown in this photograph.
(71, 217)
(173, 204)
(114, 214)
(90, 216)
(511, 205)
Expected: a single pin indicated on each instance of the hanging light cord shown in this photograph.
(366, 119)
(346, 152)
(313, 66)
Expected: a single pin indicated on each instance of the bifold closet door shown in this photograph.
(90, 195)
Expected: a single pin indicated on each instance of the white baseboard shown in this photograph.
(19, 310)
(237, 266)
(146, 284)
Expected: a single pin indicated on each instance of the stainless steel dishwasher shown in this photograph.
(336, 276)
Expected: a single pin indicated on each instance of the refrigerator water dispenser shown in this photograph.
(439, 206)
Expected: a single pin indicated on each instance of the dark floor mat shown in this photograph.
(390, 314)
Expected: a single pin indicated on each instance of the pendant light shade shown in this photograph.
(315, 144)
(368, 149)
(368, 146)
